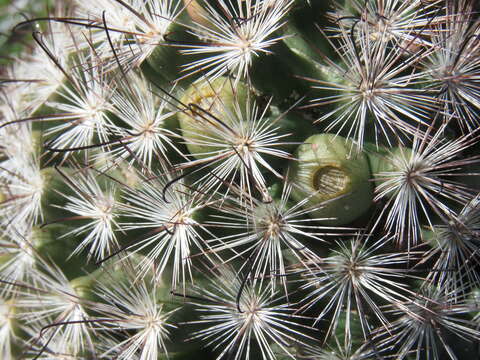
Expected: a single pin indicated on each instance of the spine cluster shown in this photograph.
(241, 179)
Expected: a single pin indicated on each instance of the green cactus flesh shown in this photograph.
(239, 179)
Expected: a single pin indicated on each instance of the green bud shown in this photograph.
(330, 169)
(222, 100)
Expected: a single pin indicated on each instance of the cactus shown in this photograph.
(240, 179)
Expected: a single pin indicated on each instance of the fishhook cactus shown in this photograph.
(240, 179)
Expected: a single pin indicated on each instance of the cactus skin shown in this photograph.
(240, 179)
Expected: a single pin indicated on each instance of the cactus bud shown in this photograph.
(328, 170)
